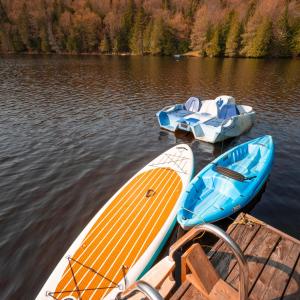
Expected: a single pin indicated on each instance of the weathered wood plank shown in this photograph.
(273, 258)
(184, 267)
(273, 279)
(166, 288)
(224, 260)
(203, 275)
(193, 294)
(219, 243)
(292, 291)
(181, 291)
(159, 272)
(223, 290)
(257, 254)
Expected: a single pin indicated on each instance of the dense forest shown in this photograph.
(247, 28)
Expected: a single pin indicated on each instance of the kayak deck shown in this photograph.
(121, 235)
(227, 184)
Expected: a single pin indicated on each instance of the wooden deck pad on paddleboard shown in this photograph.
(120, 236)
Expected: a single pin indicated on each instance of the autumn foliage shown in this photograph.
(250, 28)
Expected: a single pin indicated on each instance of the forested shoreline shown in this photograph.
(213, 28)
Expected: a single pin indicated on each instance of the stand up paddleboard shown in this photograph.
(123, 239)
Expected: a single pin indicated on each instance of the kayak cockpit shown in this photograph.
(227, 184)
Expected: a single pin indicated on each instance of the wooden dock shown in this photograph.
(273, 258)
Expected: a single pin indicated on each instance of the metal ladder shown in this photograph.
(151, 293)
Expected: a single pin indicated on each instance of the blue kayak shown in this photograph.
(227, 184)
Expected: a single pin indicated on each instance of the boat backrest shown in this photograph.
(192, 104)
(209, 107)
(228, 111)
(223, 100)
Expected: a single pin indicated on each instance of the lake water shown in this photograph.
(75, 129)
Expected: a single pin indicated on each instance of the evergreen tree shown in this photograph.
(124, 35)
(104, 45)
(213, 48)
(295, 44)
(233, 39)
(193, 5)
(156, 37)
(24, 27)
(183, 46)
(57, 11)
(45, 46)
(258, 44)
(16, 40)
(282, 36)
(168, 41)
(71, 43)
(214, 28)
(136, 41)
(3, 15)
(200, 32)
(147, 37)
(165, 4)
(224, 29)
(91, 38)
(115, 45)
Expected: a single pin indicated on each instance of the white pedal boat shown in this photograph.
(209, 120)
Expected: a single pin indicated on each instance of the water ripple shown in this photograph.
(75, 129)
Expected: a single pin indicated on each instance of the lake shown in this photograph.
(74, 129)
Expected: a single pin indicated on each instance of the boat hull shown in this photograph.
(204, 126)
(212, 196)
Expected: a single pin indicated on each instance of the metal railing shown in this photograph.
(151, 293)
(143, 287)
(243, 267)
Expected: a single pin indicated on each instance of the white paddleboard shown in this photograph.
(126, 235)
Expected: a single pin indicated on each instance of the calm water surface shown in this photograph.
(75, 129)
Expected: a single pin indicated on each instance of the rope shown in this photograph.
(245, 220)
(77, 289)
(74, 278)
(124, 268)
(92, 270)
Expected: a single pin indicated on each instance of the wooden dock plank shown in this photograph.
(292, 291)
(180, 291)
(193, 294)
(220, 243)
(273, 258)
(224, 260)
(257, 254)
(274, 277)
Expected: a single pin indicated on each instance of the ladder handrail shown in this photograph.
(243, 266)
(143, 287)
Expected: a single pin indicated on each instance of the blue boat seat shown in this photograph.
(214, 122)
(227, 111)
(192, 120)
(181, 113)
(192, 104)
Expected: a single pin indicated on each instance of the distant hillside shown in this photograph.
(248, 28)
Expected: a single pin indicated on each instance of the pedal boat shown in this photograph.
(208, 120)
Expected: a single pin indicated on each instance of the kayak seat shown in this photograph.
(231, 173)
(242, 169)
